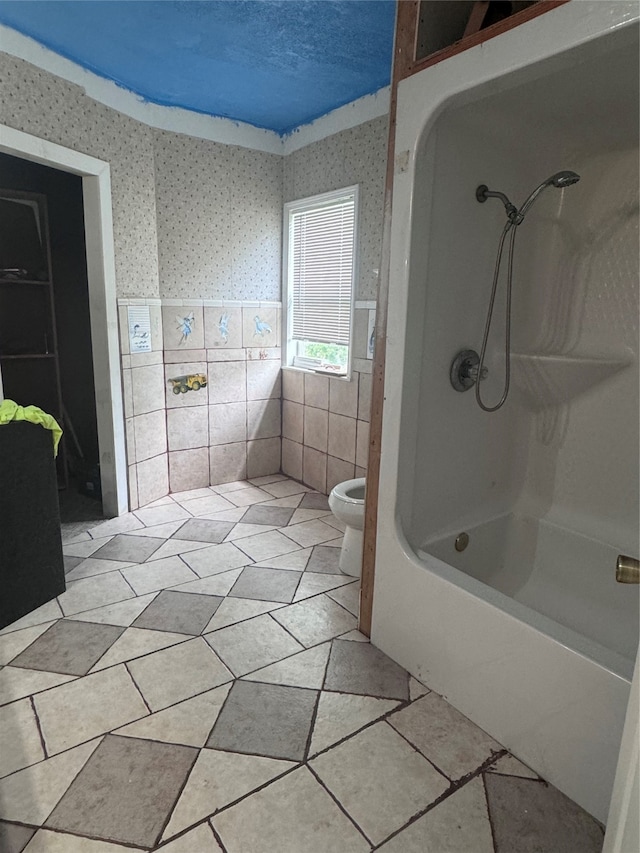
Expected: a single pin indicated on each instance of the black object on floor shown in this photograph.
(31, 562)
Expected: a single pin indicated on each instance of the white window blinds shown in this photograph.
(321, 267)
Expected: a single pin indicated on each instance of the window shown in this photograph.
(319, 275)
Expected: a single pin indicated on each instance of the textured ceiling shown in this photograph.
(275, 64)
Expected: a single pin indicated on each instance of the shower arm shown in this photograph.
(483, 193)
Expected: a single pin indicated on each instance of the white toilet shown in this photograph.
(346, 502)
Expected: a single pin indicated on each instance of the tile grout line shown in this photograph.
(216, 835)
(135, 684)
(489, 817)
(452, 789)
(39, 727)
(339, 804)
(171, 810)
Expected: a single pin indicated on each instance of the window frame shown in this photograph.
(290, 344)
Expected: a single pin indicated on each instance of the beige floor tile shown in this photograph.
(460, 824)
(234, 514)
(89, 593)
(253, 644)
(212, 503)
(305, 669)
(247, 497)
(46, 841)
(44, 613)
(211, 585)
(348, 597)
(310, 533)
(198, 840)
(176, 546)
(19, 737)
(189, 722)
(296, 561)
(86, 548)
(301, 515)
(31, 795)
(292, 815)
(316, 620)
(134, 643)
(90, 567)
(265, 546)
(161, 531)
(355, 636)
(380, 780)
(510, 766)
(178, 673)
(313, 583)
(12, 644)
(123, 613)
(88, 707)
(233, 610)
(121, 524)
(342, 714)
(241, 531)
(452, 742)
(157, 575)
(416, 689)
(164, 514)
(216, 559)
(285, 489)
(15, 683)
(217, 779)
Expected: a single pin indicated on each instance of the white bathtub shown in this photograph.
(526, 631)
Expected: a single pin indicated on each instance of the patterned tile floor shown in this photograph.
(201, 686)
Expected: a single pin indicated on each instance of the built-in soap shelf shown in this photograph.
(551, 380)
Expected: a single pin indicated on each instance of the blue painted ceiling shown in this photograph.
(275, 64)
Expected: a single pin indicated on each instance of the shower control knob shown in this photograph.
(627, 569)
(464, 370)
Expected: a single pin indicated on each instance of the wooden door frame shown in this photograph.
(405, 64)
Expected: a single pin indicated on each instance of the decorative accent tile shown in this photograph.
(259, 327)
(223, 327)
(265, 719)
(125, 791)
(452, 742)
(69, 647)
(182, 328)
(364, 669)
(187, 383)
(379, 779)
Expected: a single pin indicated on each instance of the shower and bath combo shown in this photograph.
(467, 368)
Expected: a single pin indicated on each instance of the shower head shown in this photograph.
(560, 180)
(564, 179)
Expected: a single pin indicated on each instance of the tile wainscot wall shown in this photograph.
(226, 430)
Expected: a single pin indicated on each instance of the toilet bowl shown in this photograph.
(346, 502)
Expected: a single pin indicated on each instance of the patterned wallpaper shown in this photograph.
(219, 219)
(195, 218)
(37, 102)
(354, 156)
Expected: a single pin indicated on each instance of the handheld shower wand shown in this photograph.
(515, 217)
